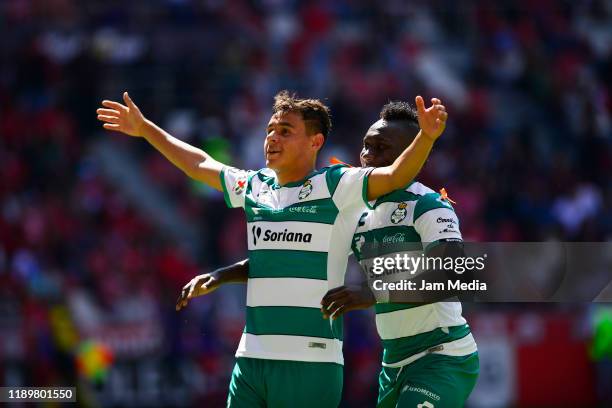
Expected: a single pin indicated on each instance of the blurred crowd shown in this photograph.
(526, 155)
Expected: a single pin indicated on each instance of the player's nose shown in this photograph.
(272, 137)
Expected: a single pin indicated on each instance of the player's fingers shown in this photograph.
(187, 286)
(328, 300)
(339, 300)
(128, 101)
(112, 126)
(333, 291)
(441, 108)
(435, 101)
(109, 119)
(420, 104)
(338, 312)
(191, 290)
(196, 285)
(184, 303)
(109, 112)
(184, 292)
(114, 105)
(180, 300)
(443, 116)
(329, 311)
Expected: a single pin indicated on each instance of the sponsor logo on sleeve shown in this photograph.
(442, 220)
(240, 185)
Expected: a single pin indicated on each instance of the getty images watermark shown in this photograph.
(399, 271)
(550, 271)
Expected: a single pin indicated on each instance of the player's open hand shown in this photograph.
(122, 118)
(198, 286)
(343, 299)
(433, 119)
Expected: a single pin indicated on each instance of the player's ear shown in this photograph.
(317, 141)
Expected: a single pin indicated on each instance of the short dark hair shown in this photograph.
(400, 111)
(315, 114)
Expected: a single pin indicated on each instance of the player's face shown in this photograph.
(383, 143)
(287, 144)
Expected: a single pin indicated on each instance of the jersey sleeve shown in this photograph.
(349, 185)
(435, 220)
(234, 183)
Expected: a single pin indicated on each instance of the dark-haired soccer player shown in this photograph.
(300, 222)
(430, 357)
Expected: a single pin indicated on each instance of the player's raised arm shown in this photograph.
(432, 122)
(128, 119)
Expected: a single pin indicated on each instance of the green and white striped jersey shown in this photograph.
(299, 237)
(420, 216)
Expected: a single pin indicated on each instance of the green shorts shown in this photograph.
(284, 384)
(434, 380)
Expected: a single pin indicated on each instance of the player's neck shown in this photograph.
(287, 176)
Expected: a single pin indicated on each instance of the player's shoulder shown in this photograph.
(334, 174)
(412, 193)
(265, 175)
(335, 170)
(428, 200)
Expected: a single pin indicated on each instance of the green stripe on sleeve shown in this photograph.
(333, 176)
(228, 202)
(429, 202)
(364, 191)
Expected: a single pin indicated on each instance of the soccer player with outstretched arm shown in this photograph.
(300, 222)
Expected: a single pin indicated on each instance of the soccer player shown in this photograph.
(430, 357)
(299, 225)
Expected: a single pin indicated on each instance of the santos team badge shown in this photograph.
(306, 190)
(399, 213)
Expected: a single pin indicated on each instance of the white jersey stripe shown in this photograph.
(422, 319)
(296, 292)
(294, 348)
(289, 235)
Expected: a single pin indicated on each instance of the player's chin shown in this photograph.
(370, 163)
(271, 163)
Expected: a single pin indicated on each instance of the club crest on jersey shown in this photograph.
(240, 185)
(306, 190)
(400, 213)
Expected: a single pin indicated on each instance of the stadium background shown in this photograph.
(98, 232)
